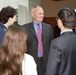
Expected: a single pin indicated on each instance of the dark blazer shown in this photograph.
(32, 42)
(2, 32)
(62, 56)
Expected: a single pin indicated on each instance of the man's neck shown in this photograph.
(64, 29)
(6, 25)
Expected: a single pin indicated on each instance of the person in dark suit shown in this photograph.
(32, 41)
(62, 56)
(7, 18)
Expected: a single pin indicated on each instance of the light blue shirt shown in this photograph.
(35, 27)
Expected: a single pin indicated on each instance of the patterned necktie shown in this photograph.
(40, 47)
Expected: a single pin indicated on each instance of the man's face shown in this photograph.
(12, 20)
(38, 14)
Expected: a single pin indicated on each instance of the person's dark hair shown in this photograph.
(6, 13)
(12, 50)
(67, 16)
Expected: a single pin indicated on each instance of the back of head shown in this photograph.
(14, 47)
(67, 16)
(6, 13)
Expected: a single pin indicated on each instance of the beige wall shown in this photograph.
(51, 7)
(13, 3)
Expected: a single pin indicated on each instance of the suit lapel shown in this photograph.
(43, 30)
(32, 29)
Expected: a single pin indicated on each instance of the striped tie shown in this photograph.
(40, 47)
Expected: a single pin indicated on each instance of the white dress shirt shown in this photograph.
(28, 65)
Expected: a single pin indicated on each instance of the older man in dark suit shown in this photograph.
(62, 56)
(39, 39)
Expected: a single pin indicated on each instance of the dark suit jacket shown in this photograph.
(62, 56)
(32, 42)
(2, 32)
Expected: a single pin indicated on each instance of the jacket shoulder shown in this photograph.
(27, 24)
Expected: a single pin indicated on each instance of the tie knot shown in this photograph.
(38, 24)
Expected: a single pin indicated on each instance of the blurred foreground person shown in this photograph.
(13, 59)
(7, 18)
(62, 56)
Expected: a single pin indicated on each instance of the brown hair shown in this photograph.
(13, 48)
(6, 13)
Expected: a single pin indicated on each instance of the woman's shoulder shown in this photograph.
(28, 57)
(29, 65)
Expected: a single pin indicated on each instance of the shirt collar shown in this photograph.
(35, 24)
(66, 31)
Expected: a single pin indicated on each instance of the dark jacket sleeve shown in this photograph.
(54, 59)
(2, 32)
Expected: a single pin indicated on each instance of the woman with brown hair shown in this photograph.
(13, 59)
